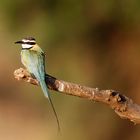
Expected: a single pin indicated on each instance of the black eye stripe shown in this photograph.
(29, 43)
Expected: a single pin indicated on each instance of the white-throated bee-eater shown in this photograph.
(33, 58)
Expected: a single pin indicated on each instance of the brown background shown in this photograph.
(93, 43)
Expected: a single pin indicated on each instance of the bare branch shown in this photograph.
(121, 104)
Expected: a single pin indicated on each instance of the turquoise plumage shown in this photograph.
(33, 58)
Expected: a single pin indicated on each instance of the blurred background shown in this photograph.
(93, 43)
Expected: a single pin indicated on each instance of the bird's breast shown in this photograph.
(26, 59)
(33, 61)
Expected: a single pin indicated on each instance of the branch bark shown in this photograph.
(121, 104)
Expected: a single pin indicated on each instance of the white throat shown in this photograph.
(26, 46)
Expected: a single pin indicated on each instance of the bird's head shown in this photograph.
(27, 43)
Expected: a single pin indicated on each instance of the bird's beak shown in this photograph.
(19, 42)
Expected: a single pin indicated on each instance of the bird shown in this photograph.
(33, 58)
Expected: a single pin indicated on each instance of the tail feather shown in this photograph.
(47, 95)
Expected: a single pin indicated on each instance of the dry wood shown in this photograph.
(121, 104)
